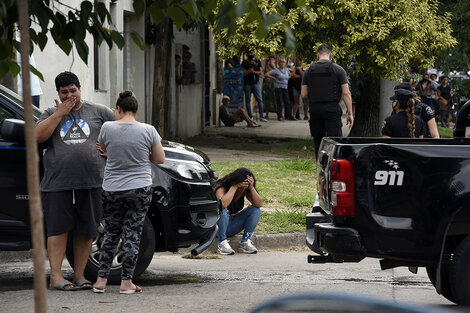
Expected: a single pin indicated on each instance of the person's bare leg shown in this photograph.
(296, 106)
(247, 119)
(100, 283)
(81, 250)
(56, 246)
(127, 284)
(242, 113)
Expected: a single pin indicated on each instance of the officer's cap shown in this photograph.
(405, 86)
(403, 95)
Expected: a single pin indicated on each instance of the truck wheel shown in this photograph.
(460, 273)
(146, 251)
(446, 291)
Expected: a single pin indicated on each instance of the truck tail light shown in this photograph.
(342, 187)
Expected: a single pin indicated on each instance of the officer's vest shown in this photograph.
(322, 83)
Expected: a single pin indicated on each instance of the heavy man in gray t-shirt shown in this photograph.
(73, 174)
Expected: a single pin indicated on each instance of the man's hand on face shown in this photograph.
(63, 108)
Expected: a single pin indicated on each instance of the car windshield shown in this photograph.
(18, 99)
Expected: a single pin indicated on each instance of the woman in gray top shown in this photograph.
(130, 146)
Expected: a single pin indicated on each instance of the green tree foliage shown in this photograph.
(276, 33)
(374, 38)
(459, 57)
(380, 36)
(68, 27)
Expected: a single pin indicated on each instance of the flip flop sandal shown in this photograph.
(131, 291)
(62, 286)
(83, 284)
(98, 290)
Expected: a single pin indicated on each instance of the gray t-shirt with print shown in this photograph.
(71, 160)
(128, 146)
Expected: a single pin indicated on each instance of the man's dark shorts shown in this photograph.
(72, 210)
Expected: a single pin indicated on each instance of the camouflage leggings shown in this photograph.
(124, 212)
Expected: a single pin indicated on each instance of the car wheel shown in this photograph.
(460, 273)
(446, 291)
(146, 251)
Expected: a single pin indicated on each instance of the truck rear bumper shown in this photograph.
(324, 237)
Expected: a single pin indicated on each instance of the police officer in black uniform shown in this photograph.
(425, 112)
(404, 123)
(324, 84)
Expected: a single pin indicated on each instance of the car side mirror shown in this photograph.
(12, 129)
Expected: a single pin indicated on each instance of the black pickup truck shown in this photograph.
(184, 209)
(405, 201)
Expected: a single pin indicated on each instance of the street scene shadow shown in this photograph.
(150, 278)
(16, 284)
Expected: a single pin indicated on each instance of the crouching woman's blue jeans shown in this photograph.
(246, 220)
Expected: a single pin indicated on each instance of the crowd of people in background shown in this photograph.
(275, 84)
(415, 105)
(437, 94)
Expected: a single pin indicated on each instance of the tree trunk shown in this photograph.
(367, 118)
(161, 81)
(32, 161)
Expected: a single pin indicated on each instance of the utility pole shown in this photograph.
(32, 165)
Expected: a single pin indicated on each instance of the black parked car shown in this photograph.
(184, 209)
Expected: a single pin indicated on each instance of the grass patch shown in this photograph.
(302, 148)
(283, 185)
(206, 255)
(281, 222)
(445, 132)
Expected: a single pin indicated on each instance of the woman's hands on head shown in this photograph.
(248, 183)
(251, 182)
(243, 185)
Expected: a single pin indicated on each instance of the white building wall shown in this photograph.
(132, 68)
(53, 61)
(189, 98)
(215, 96)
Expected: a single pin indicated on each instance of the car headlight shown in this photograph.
(190, 170)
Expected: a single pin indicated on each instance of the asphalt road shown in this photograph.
(226, 284)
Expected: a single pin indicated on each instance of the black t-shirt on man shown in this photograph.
(337, 71)
(251, 79)
(445, 92)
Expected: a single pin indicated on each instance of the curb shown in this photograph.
(262, 242)
(15, 256)
(239, 132)
(267, 242)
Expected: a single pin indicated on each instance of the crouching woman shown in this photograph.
(232, 191)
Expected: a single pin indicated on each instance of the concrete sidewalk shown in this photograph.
(262, 242)
(270, 129)
(273, 128)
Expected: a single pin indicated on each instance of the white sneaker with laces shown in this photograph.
(263, 119)
(247, 247)
(224, 248)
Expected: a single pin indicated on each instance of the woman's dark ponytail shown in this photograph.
(410, 112)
